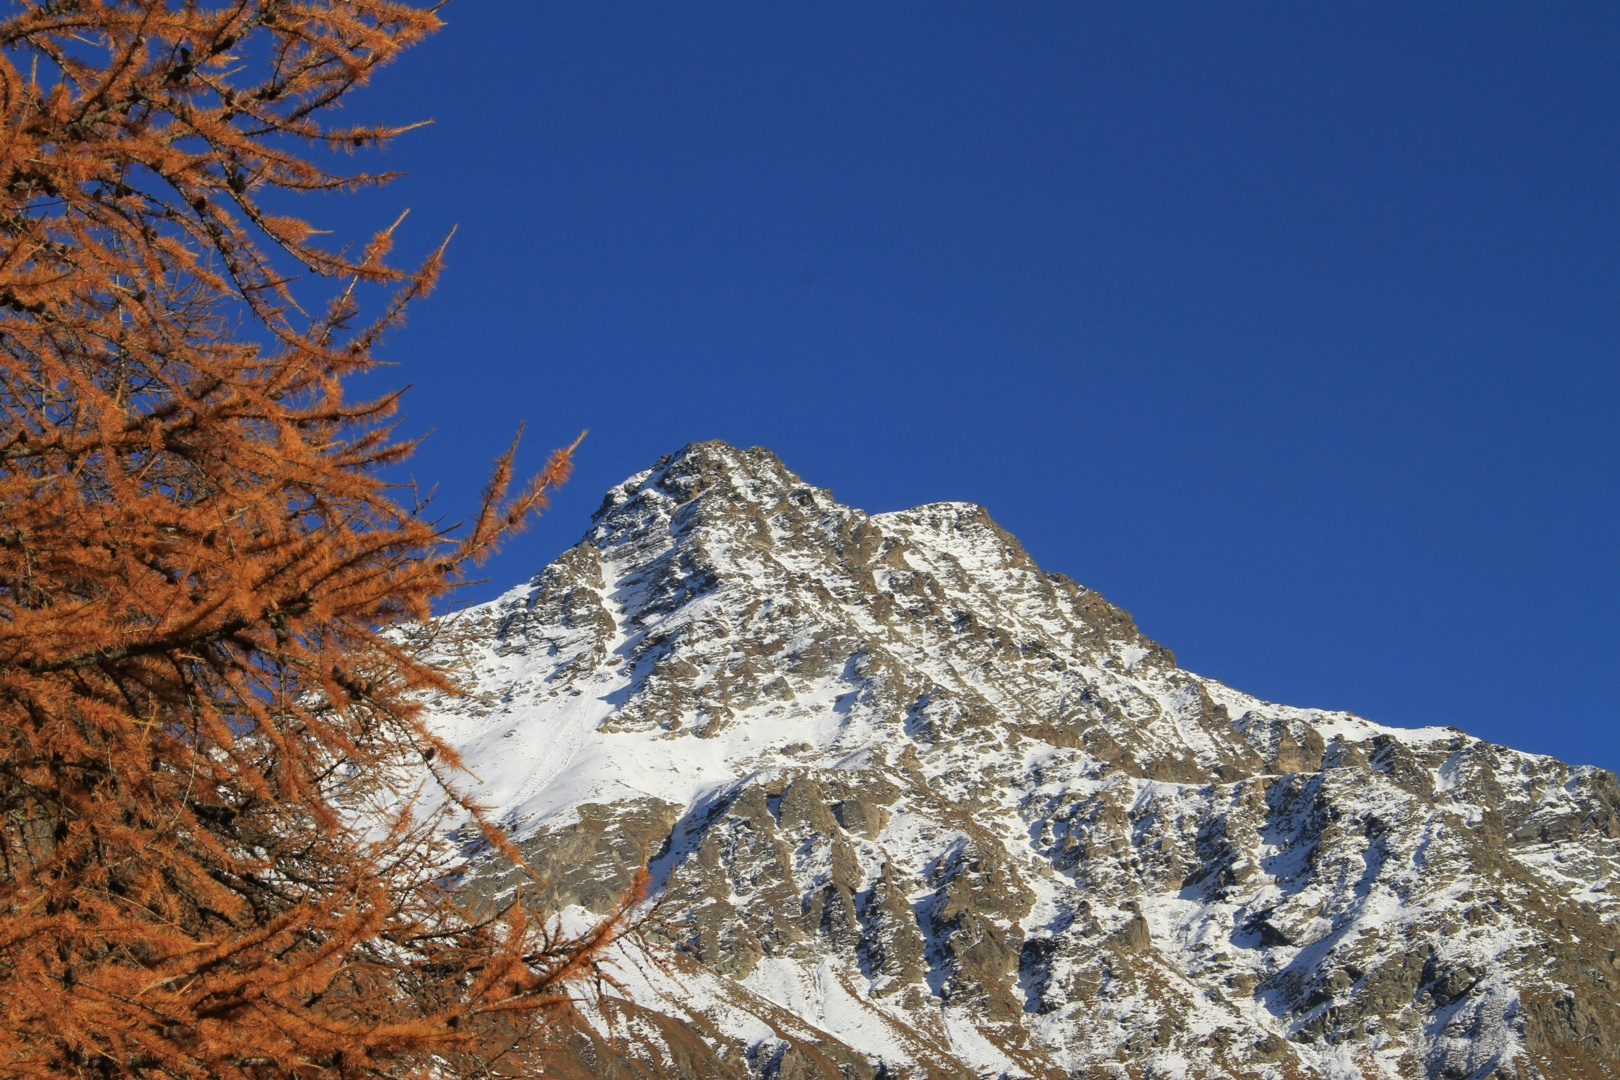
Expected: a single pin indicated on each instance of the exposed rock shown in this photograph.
(1134, 936)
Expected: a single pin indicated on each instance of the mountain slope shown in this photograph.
(918, 808)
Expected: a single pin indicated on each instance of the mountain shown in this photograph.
(916, 807)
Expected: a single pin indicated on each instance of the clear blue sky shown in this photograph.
(1290, 328)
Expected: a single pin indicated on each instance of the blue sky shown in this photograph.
(1290, 328)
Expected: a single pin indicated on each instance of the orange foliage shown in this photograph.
(211, 860)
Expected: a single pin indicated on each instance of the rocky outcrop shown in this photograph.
(914, 807)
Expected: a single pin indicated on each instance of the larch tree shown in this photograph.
(210, 862)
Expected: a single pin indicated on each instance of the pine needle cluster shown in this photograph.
(211, 865)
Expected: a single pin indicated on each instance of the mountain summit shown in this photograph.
(919, 808)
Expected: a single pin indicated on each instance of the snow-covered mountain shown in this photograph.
(918, 808)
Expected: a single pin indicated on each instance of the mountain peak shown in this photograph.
(918, 807)
(713, 468)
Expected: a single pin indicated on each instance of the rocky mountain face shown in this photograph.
(917, 808)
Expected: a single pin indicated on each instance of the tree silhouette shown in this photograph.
(217, 856)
